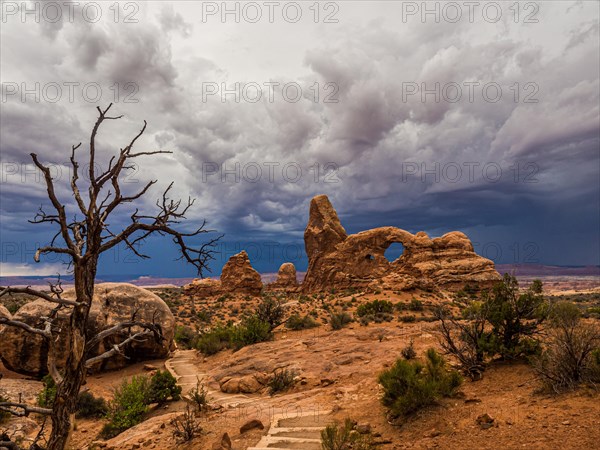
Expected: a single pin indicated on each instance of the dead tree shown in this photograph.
(82, 240)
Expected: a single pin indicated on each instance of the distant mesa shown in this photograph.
(337, 260)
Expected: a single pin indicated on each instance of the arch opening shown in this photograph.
(394, 251)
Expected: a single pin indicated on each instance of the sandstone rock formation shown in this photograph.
(27, 353)
(339, 261)
(4, 313)
(113, 303)
(239, 276)
(286, 278)
(247, 384)
(203, 287)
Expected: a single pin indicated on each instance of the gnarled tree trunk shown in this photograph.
(67, 393)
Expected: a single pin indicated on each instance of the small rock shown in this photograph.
(432, 433)
(251, 425)
(485, 421)
(225, 443)
(149, 367)
(566, 422)
(363, 428)
(472, 400)
(327, 382)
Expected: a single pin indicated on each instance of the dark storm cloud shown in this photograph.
(373, 137)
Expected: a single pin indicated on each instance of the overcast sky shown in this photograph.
(483, 120)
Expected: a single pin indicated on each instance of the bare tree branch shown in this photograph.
(60, 209)
(28, 290)
(170, 212)
(9, 445)
(24, 326)
(101, 118)
(118, 348)
(74, 179)
(152, 327)
(27, 409)
(43, 250)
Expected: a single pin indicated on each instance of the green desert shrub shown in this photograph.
(251, 331)
(408, 318)
(162, 386)
(46, 397)
(593, 312)
(503, 322)
(409, 352)
(281, 381)
(594, 366)
(375, 307)
(215, 340)
(466, 340)
(186, 426)
(345, 437)
(128, 406)
(89, 406)
(199, 396)
(412, 385)
(339, 320)
(572, 351)
(185, 336)
(204, 316)
(131, 400)
(514, 316)
(415, 305)
(271, 311)
(12, 307)
(296, 322)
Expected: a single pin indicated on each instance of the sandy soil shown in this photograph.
(338, 371)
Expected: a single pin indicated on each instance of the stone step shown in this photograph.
(306, 433)
(302, 432)
(284, 448)
(290, 446)
(290, 440)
